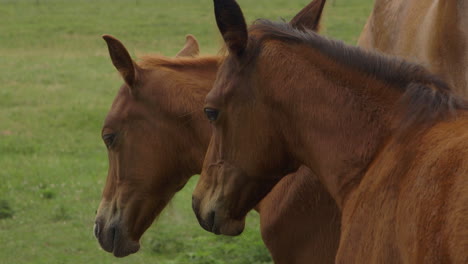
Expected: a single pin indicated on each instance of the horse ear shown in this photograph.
(191, 48)
(121, 59)
(231, 24)
(309, 16)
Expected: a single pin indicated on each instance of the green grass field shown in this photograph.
(57, 84)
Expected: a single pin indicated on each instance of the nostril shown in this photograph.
(210, 220)
(96, 230)
(114, 232)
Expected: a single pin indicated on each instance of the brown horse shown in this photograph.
(388, 140)
(434, 33)
(162, 97)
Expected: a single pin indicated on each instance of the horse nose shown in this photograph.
(207, 223)
(196, 207)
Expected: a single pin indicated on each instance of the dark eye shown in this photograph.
(109, 139)
(211, 114)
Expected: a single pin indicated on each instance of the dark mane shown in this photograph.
(426, 98)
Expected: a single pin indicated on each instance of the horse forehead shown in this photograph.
(229, 81)
(218, 91)
(122, 108)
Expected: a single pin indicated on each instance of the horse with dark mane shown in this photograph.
(433, 33)
(388, 140)
(157, 137)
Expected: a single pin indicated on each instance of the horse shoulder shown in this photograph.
(431, 213)
(412, 203)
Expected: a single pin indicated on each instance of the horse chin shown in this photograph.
(126, 248)
(229, 227)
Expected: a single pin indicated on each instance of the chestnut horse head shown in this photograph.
(307, 19)
(155, 137)
(285, 97)
(232, 25)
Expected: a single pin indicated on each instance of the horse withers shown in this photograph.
(388, 140)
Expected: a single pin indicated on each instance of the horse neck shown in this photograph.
(433, 33)
(336, 125)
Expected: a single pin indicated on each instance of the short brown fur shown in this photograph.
(434, 33)
(388, 140)
(160, 140)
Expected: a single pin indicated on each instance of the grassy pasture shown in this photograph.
(57, 84)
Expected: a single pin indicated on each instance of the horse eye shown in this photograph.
(211, 114)
(109, 139)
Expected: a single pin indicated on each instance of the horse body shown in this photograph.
(160, 141)
(387, 139)
(300, 221)
(415, 193)
(403, 195)
(431, 32)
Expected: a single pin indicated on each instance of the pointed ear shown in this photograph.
(231, 24)
(309, 16)
(191, 48)
(121, 59)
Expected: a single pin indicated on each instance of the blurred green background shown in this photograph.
(57, 84)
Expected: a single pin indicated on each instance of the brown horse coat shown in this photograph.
(302, 235)
(412, 204)
(387, 138)
(162, 97)
(431, 32)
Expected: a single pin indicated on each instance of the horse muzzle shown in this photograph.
(114, 239)
(214, 222)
